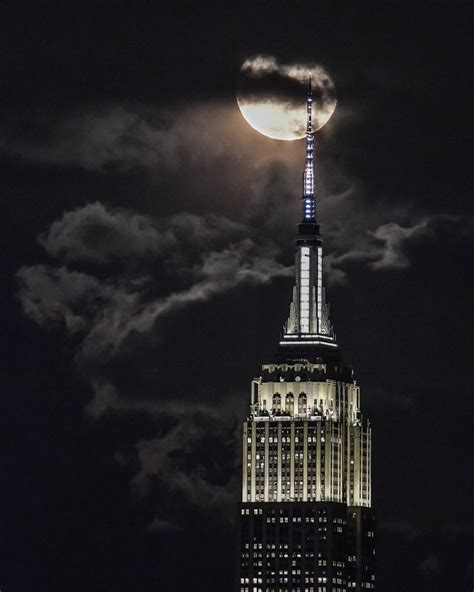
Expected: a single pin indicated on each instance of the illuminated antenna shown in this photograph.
(308, 177)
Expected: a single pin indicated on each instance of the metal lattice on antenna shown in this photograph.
(308, 177)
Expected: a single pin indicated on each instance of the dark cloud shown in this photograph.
(402, 528)
(458, 528)
(106, 312)
(58, 295)
(200, 257)
(117, 136)
(134, 106)
(265, 78)
(207, 481)
(117, 311)
(96, 233)
(119, 278)
(387, 246)
(162, 526)
(209, 256)
(430, 566)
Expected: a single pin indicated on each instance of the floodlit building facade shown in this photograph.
(306, 523)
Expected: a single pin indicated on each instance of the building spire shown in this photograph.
(309, 213)
(308, 323)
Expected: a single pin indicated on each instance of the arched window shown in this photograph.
(276, 403)
(289, 403)
(302, 404)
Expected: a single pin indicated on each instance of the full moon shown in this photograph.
(272, 96)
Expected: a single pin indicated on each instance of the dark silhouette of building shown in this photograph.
(306, 519)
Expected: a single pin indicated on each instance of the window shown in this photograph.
(302, 404)
(276, 402)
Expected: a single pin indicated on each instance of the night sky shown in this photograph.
(147, 248)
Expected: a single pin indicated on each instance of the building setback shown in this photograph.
(306, 521)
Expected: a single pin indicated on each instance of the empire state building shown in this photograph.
(306, 523)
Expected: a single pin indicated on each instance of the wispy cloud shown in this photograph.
(263, 65)
(400, 527)
(116, 276)
(98, 233)
(119, 136)
(203, 256)
(386, 247)
(140, 271)
(430, 566)
(205, 480)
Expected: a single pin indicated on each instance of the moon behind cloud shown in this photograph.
(271, 96)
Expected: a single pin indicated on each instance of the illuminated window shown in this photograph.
(276, 403)
(302, 404)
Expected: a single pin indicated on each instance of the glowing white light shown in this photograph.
(276, 117)
(305, 261)
(277, 121)
(320, 289)
(307, 335)
(308, 342)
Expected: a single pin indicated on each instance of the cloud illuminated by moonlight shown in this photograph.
(271, 96)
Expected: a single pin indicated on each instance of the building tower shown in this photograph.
(306, 523)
